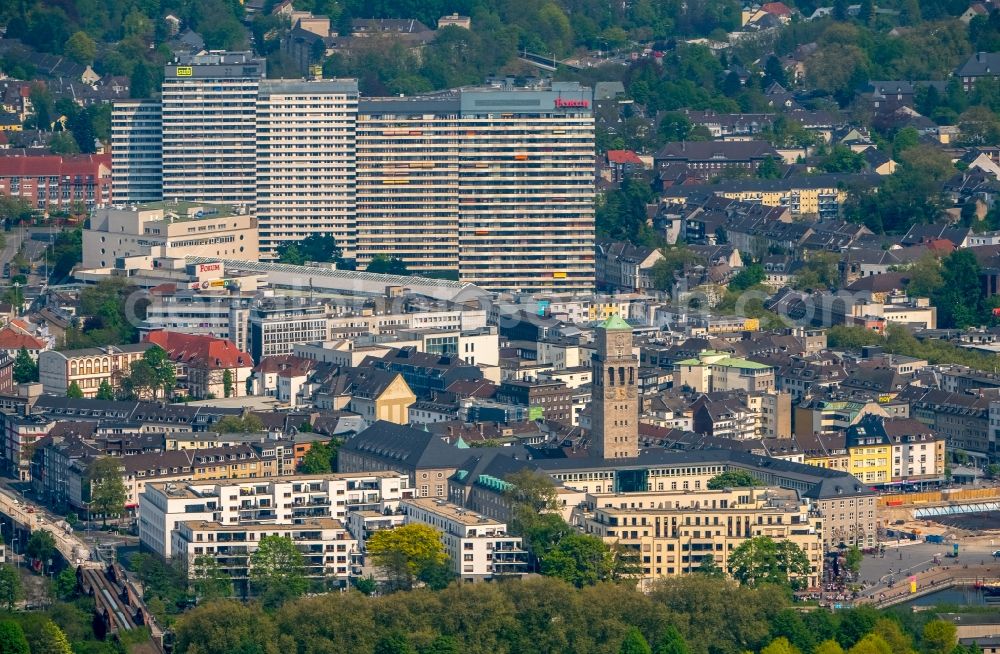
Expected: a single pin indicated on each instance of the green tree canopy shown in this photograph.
(74, 390)
(733, 479)
(940, 636)
(277, 570)
(763, 560)
(25, 367)
(108, 493)
(12, 640)
(10, 586)
(407, 552)
(226, 627)
(634, 643)
(246, 424)
(41, 545)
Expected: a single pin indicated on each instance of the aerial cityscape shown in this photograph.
(499, 327)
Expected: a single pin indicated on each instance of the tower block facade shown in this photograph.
(615, 404)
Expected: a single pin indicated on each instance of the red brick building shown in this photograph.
(52, 182)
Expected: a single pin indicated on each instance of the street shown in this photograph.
(73, 549)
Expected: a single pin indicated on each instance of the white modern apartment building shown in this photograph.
(479, 547)
(136, 159)
(305, 161)
(274, 502)
(168, 229)
(209, 108)
(327, 548)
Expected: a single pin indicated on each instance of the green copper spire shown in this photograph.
(615, 322)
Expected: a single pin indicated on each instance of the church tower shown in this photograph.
(615, 397)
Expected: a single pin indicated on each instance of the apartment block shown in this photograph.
(327, 548)
(207, 313)
(136, 152)
(276, 327)
(718, 371)
(305, 167)
(279, 501)
(209, 113)
(479, 547)
(672, 533)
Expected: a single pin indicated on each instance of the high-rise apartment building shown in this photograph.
(209, 106)
(494, 185)
(408, 181)
(497, 183)
(305, 161)
(136, 159)
(526, 189)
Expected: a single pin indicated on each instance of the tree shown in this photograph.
(749, 276)
(64, 143)
(709, 567)
(387, 265)
(959, 300)
(41, 545)
(10, 586)
(780, 646)
(406, 552)
(853, 559)
(733, 479)
(149, 376)
(319, 459)
(227, 382)
(64, 584)
(81, 48)
(50, 639)
(634, 643)
(940, 636)
(818, 272)
(671, 642)
(245, 424)
(315, 247)
(529, 495)
(674, 260)
(74, 390)
(674, 126)
(210, 581)
(924, 277)
(12, 640)
(394, 643)
(906, 138)
(104, 391)
(891, 632)
(278, 570)
(25, 368)
(871, 644)
(107, 489)
(829, 647)
(579, 559)
(762, 560)
(842, 159)
(226, 627)
(770, 168)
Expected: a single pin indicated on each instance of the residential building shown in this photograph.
(20, 434)
(371, 393)
(278, 501)
(549, 400)
(57, 182)
(963, 419)
(209, 110)
(478, 547)
(423, 456)
(718, 371)
(979, 65)
(168, 229)
(833, 413)
(625, 266)
(713, 157)
(671, 533)
(205, 366)
(87, 367)
(136, 151)
(305, 164)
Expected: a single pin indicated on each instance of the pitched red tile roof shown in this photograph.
(776, 8)
(54, 165)
(623, 157)
(13, 339)
(203, 351)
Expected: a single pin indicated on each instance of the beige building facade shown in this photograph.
(168, 229)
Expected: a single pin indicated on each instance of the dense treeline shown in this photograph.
(547, 616)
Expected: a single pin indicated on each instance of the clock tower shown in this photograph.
(614, 405)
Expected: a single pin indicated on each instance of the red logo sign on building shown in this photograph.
(566, 103)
